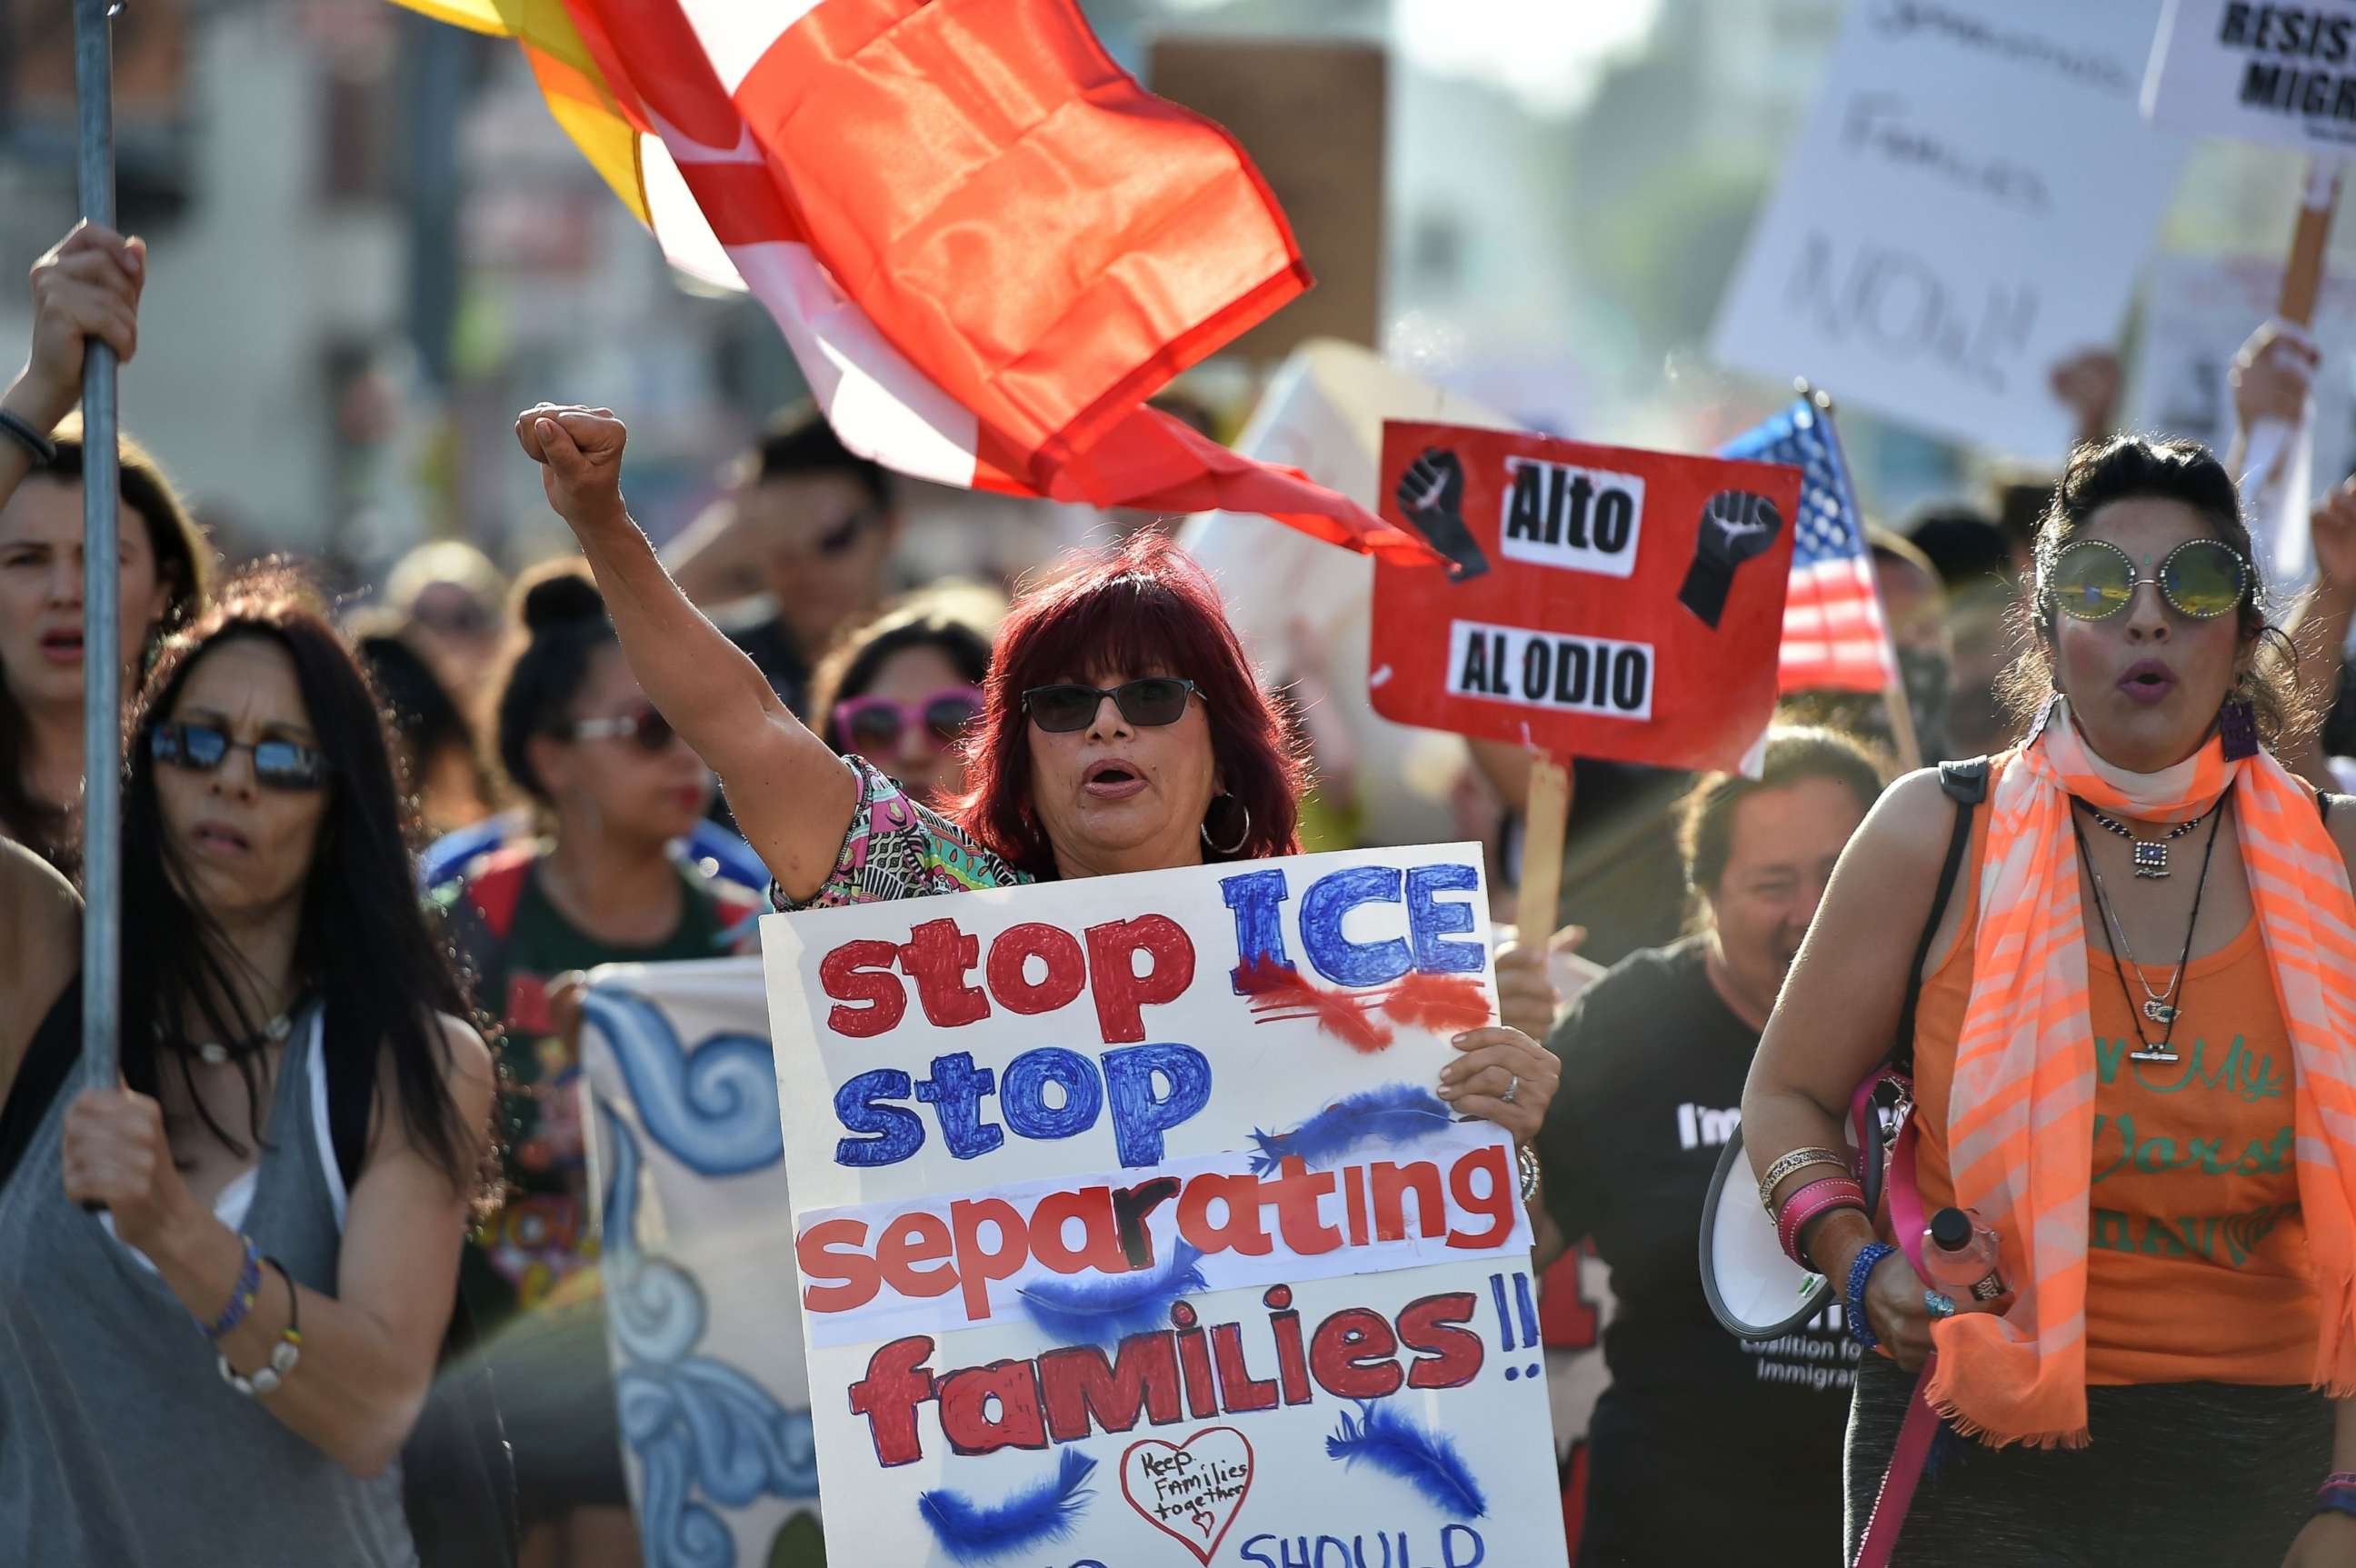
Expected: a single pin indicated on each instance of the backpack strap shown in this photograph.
(1965, 783)
(41, 1076)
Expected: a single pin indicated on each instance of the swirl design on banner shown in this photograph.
(698, 1426)
(713, 1108)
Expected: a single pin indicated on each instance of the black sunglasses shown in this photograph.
(201, 747)
(1067, 705)
(648, 728)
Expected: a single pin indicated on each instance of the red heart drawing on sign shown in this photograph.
(1190, 1491)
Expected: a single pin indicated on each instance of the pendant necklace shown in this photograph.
(214, 1053)
(2161, 1007)
(2150, 855)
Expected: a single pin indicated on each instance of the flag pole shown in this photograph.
(101, 863)
(1908, 745)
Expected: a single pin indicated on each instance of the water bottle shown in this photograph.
(1959, 1253)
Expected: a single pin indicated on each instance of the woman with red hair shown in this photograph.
(1121, 731)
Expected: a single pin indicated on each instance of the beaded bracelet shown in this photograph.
(1860, 1271)
(241, 1296)
(1797, 1160)
(283, 1356)
(1818, 1198)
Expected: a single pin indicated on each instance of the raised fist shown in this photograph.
(1735, 526)
(580, 451)
(1431, 495)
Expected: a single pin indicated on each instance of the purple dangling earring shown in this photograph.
(2237, 726)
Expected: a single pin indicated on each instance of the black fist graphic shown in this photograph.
(1431, 495)
(1735, 526)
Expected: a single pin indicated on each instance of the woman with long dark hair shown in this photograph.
(2130, 1055)
(227, 1316)
(613, 786)
(87, 289)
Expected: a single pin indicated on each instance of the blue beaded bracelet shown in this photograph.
(241, 1298)
(1860, 1271)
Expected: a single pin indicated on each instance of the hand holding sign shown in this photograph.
(1431, 494)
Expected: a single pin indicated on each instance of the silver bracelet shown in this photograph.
(1526, 1158)
(43, 449)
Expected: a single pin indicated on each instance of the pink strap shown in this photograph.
(1906, 1219)
(1906, 1461)
(1920, 1426)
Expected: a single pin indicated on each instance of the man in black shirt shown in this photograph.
(1705, 1448)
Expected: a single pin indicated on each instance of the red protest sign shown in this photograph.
(1599, 601)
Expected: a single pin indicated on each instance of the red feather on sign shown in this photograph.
(1443, 1004)
(1272, 988)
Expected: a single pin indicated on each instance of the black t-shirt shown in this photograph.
(1705, 1447)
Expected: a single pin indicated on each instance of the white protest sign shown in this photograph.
(1964, 210)
(1129, 1229)
(2284, 74)
(2197, 311)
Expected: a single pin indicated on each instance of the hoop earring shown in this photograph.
(1241, 838)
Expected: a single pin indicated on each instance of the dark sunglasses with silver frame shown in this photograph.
(198, 748)
(1147, 702)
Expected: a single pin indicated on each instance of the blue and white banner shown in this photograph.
(699, 1265)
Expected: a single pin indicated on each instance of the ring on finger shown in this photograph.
(1938, 1303)
(1512, 1087)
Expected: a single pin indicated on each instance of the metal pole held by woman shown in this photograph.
(101, 621)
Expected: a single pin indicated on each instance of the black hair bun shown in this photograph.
(562, 598)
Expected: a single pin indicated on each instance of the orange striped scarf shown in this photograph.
(2021, 1118)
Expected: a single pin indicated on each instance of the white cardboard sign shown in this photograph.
(1054, 1152)
(1965, 209)
(2284, 74)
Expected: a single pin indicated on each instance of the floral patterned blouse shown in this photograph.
(898, 848)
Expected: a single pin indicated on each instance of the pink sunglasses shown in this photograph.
(877, 724)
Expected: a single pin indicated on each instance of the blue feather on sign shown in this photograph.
(1045, 1511)
(1389, 1113)
(1107, 1309)
(1390, 1441)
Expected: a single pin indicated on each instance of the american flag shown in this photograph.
(1833, 632)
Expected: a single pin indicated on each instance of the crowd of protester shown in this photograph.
(418, 817)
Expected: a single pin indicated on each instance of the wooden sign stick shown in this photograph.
(1544, 823)
(2303, 271)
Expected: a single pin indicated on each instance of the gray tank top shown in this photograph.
(120, 1444)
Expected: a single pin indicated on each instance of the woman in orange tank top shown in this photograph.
(2132, 1060)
